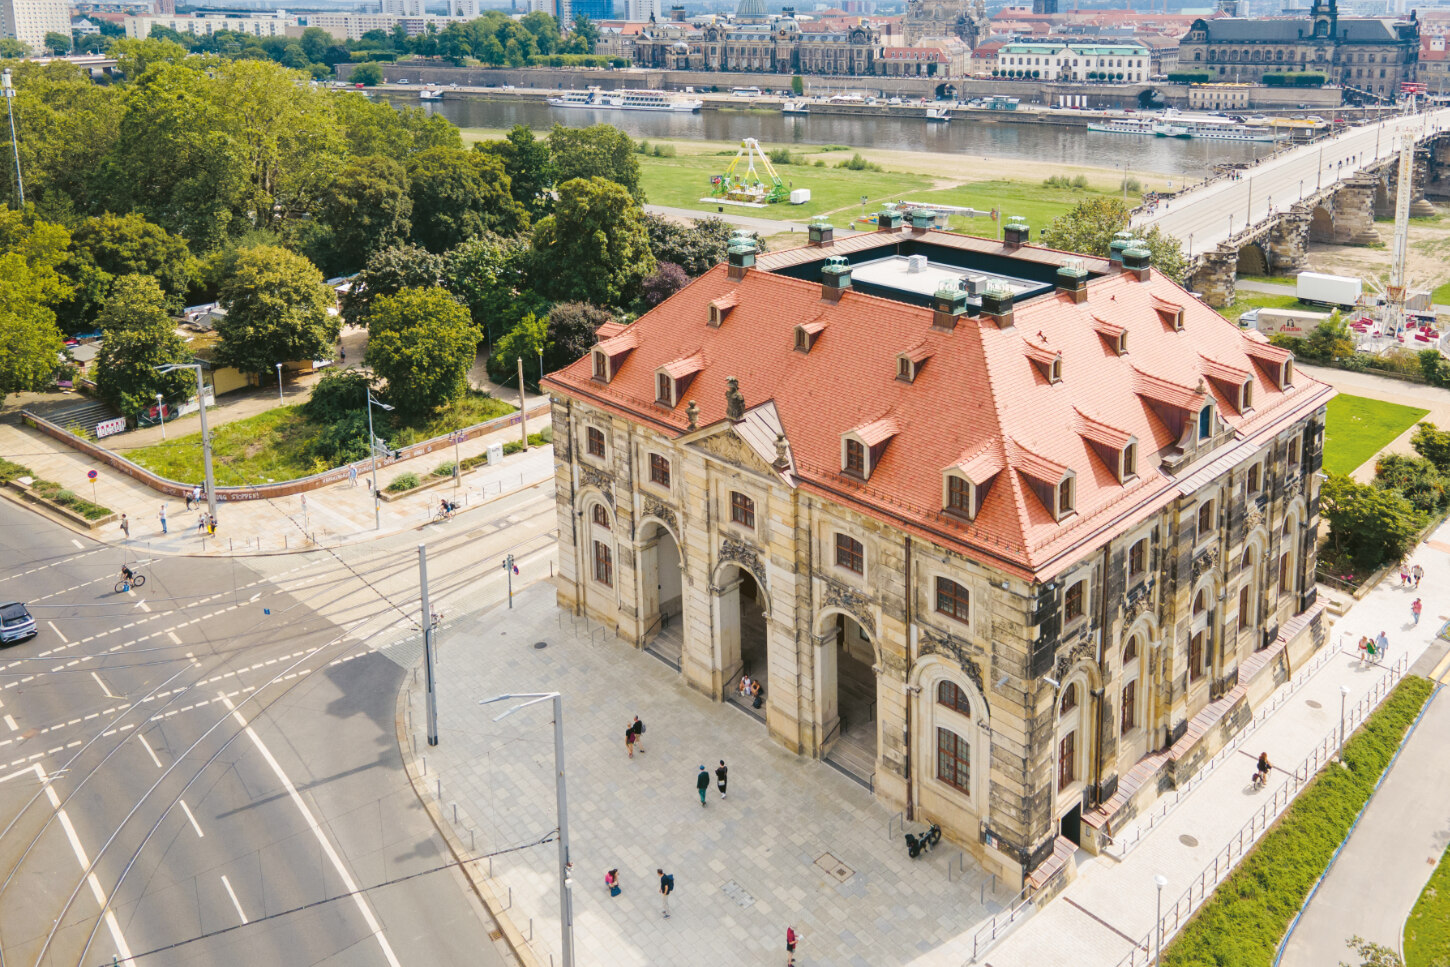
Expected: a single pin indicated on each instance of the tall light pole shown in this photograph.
(161, 412)
(430, 687)
(280, 397)
(1161, 881)
(566, 882)
(205, 433)
(373, 448)
(1343, 697)
(8, 89)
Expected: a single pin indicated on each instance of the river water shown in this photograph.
(1052, 143)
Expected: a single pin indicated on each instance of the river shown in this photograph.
(1051, 143)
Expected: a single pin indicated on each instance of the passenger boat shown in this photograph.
(597, 100)
(938, 115)
(430, 94)
(1219, 129)
(1165, 130)
(795, 107)
(1141, 125)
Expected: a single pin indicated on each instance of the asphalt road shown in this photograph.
(123, 752)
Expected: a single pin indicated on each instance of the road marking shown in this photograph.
(123, 951)
(77, 543)
(342, 872)
(172, 636)
(57, 632)
(1438, 674)
(10, 721)
(142, 606)
(233, 894)
(149, 751)
(109, 693)
(194, 825)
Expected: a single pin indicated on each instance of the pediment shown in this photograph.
(728, 446)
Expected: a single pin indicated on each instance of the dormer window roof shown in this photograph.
(909, 363)
(863, 447)
(1167, 392)
(1170, 312)
(1114, 335)
(720, 307)
(1232, 381)
(609, 354)
(806, 334)
(965, 484)
(673, 378)
(1047, 359)
(1277, 361)
(1054, 483)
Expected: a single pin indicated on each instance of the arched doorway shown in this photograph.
(742, 637)
(846, 693)
(661, 593)
(1321, 225)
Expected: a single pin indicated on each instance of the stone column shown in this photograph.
(1354, 211)
(1288, 241)
(1214, 278)
(1420, 207)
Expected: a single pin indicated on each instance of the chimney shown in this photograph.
(1120, 241)
(1016, 232)
(823, 234)
(1138, 261)
(741, 256)
(888, 220)
(997, 305)
(947, 306)
(1072, 281)
(835, 278)
(921, 218)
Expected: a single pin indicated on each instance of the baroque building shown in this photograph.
(778, 46)
(928, 21)
(1017, 538)
(1370, 55)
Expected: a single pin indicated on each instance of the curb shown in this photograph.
(503, 928)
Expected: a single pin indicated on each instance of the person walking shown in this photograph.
(720, 775)
(638, 729)
(125, 526)
(1415, 610)
(702, 784)
(163, 519)
(1404, 574)
(611, 882)
(211, 525)
(201, 523)
(1381, 645)
(188, 497)
(1417, 573)
(667, 886)
(352, 476)
(629, 739)
(791, 939)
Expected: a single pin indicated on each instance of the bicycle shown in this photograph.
(136, 581)
(441, 514)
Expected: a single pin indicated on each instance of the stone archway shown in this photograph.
(741, 634)
(1252, 260)
(845, 689)
(1321, 225)
(661, 592)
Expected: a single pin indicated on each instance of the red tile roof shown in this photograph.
(979, 405)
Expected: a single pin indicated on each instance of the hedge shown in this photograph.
(1296, 79)
(1189, 77)
(51, 491)
(402, 482)
(1246, 919)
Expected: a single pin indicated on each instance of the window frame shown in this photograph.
(742, 510)
(1206, 509)
(854, 462)
(660, 471)
(594, 442)
(1196, 648)
(853, 551)
(603, 564)
(664, 388)
(599, 516)
(956, 597)
(1080, 587)
(1139, 549)
(959, 486)
(960, 703)
(1067, 760)
(960, 753)
(1128, 715)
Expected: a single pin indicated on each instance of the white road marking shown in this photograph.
(149, 751)
(142, 606)
(254, 597)
(194, 825)
(57, 632)
(77, 543)
(123, 951)
(233, 894)
(342, 872)
(10, 721)
(109, 693)
(172, 636)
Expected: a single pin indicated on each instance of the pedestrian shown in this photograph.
(211, 525)
(201, 523)
(187, 495)
(629, 739)
(638, 729)
(702, 784)
(1364, 646)
(1381, 645)
(352, 476)
(196, 495)
(757, 693)
(1417, 572)
(163, 519)
(720, 775)
(791, 939)
(1415, 610)
(611, 881)
(1404, 574)
(125, 526)
(667, 886)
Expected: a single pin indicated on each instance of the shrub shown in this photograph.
(1079, 181)
(1368, 524)
(858, 163)
(1189, 77)
(402, 482)
(338, 394)
(444, 469)
(1429, 441)
(10, 471)
(1413, 478)
(668, 279)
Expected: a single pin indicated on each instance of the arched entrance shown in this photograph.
(846, 696)
(1252, 261)
(1321, 225)
(741, 634)
(661, 593)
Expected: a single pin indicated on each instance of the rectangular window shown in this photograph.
(603, 564)
(601, 366)
(850, 554)
(1195, 657)
(1130, 461)
(1286, 576)
(1294, 452)
(1138, 558)
(665, 389)
(1245, 607)
(959, 495)
(659, 470)
(1130, 706)
(595, 438)
(855, 457)
(952, 599)
(1064, 497)
(1073, 605)
(1067, 760)
(1252, 486)
(953, 760)
(742, 510)
(1205, 519)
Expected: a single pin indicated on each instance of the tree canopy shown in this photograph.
(694, 247)
(276, 311)
(599, 151)
(458, 195)
(526, 160)
(366, 207)
(387, 271)
(1089, 229)
(594, 247)
(421, 341)
(139, 337)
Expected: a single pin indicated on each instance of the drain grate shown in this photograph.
(837, 870)
(1187, 840)
(1312, 704)
(737, 893)
(541, 644)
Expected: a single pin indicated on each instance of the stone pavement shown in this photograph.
(335, 514)
(1389, 857)
(795, 843)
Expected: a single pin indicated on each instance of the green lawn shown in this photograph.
(1441, 295)
(1037, 203)
(1244, 301)
(1357, 428)
(1427, 931)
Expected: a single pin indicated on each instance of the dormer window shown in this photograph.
(1205, 423)
(1066, 496)
(1122, 345)
(664, 389)
(909, 363)
(1129, 467)
(716, 316)
(1054, 371)
(855, 458)
(601, 366)
(903, 368)
(806, 334)
(802, 341)
(720, 308)
(1246, 396)
(1170, 312)
(863, 447)
(1286, 376)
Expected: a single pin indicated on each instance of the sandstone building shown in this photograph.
(1015, 537)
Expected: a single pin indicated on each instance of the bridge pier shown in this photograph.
(1354, 211)
(1288, 241)
(1215, 276)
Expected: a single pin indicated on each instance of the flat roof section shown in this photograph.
(917, 275)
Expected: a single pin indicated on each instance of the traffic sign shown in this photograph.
(91, 475)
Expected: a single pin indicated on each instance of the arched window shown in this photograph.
(600, 516)
(1069, 699)
(1200, 603)
(951, 695)
(1130, 650)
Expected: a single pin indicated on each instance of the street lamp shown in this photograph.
(1343, 697)
(205, 433)
(161, 412)
(8, 89)
(566, 883)
(1190, 245)
(1161, 882)
(280, 398)
(373, 448)
(541, 367)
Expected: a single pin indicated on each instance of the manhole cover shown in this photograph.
(1187, 840)
(541, 644)
(737, 893)
(839, 871)
(1312, 704)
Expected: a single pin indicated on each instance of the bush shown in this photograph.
(1247, 917)
(1415, 479)
(57, 494)
(402, 482)
(337, 395)
(1295, 79)
(10, 471)
(1429, 441)
(858, 163)
(1367, 524)
(443, 469)
(668, 279)
(1189, 77)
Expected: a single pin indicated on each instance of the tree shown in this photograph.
(1433, 444)
(1368, 524)
(29, 340)
(1434, 367)
(583, 36)
(316, 44)
(600, 151)
(109, 246)
(339, 404)
(694, 248)
(524, 341)
(1414, 478)
(1371, 954)
(422, 343)
(136, 55)
(366, 74)
(668, 279)
(571, 329)
(526, 161)
(276, 311)
(57, 43)
(457, 195)
(139, 337)
(367, 207)
(12, 48)
(388, 271)
(372, 128)
(594, 247)
(1089, 229)
(490, 275)
(1329, 340)
(65, 124)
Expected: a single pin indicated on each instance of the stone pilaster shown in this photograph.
(1287, 244)
(1354, 211)
(1214, 277)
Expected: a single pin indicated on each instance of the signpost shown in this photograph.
(91, 475)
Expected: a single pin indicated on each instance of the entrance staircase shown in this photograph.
(78, 415)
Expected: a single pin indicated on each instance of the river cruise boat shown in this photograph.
(1214, 129)
(1140, 125)
(597, 100)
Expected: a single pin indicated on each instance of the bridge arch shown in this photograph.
(1253, 260)
(1321, 224)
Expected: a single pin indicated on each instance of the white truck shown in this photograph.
(1328, 290)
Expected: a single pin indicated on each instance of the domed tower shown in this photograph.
(750, 11)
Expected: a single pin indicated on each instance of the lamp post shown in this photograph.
(161, 412)
(373, 448)
(566, 883)
(280, 398)
(8, 89)
(1190, 245)
(205, 433)
(1343, 698)
(1161, 881)
(541, 367)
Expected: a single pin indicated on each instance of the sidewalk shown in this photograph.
(1110, 907)
(335, 514)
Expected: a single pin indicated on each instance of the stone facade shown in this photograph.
(780, 46)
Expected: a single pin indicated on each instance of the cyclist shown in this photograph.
(446, 509)
(128, 577)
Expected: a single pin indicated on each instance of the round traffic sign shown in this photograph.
(91, 475)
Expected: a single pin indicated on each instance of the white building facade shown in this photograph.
(1075, 62)
(403, 8)
(28, 21)
(205, 26)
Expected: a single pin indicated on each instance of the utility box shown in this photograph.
(495, 454)
(800, 196)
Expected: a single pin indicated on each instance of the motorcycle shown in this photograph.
(917, 845)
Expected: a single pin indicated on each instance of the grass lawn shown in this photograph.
(1269, 279)
(1244, 301)
(1441, 295)
(277, 445)
(1427, 931)
(1035, 202)
(1357, 428)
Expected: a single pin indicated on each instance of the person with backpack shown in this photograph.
(629, 738)
(721, 774)
(702, 784)
(638, 729)
(667, 886)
